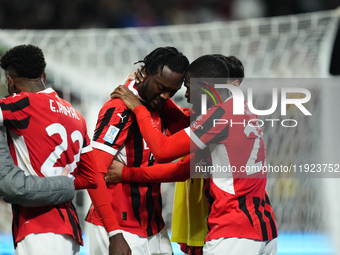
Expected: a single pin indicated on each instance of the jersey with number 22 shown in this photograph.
(46, 133)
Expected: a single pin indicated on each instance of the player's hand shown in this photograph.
(130, 100)
(140, 75)
(118, 245)
(114, 173)
(66, 171)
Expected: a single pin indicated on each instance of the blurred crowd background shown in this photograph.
(76, 14)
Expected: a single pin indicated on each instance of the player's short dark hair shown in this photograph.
(26, 60)
(235, 66)
(208, 66)
(165, 56)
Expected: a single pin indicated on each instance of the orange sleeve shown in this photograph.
(100, 196)
(170, 172)
(165, 149)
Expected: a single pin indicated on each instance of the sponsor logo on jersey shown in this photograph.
(15, 95)
(121, 117)
(111, 134)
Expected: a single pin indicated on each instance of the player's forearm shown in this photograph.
(101, 201)
(170, 172)
(165, 149)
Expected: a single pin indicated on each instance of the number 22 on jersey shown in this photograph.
(48, 168)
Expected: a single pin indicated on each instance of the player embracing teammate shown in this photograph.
(241, 219)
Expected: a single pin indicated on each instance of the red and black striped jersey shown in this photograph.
(137, 206)
(191, 250)
(239, 205)
(45, 134)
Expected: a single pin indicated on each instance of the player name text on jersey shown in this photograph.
(56, 106)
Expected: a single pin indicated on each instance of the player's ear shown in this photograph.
(234, 82)
(10, 80)
(11, 85)
(44, 77)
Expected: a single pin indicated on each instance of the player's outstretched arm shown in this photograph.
(30, 191)
(170, 172)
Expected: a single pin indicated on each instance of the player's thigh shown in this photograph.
(98, 239)
(48, 243)
(160, 244)
(234, 246)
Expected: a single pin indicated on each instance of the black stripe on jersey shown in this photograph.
(73, 221)
(85, 140)
(135, 201)
(243, 207)
(80, 234)
(149, 208)
(193, 252)
(138, 147)
(16, 106)
(105, 121)
(209, 123)
(271, 220)
(186, 249)
(267, 200)
(15, 223)
(132, 128)
(256, 201)
(138, 159)
(18, 124)
(60, 213)
(158, 220)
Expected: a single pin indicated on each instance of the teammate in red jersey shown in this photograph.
(241, 218)
(137, 206)
(45, 134)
